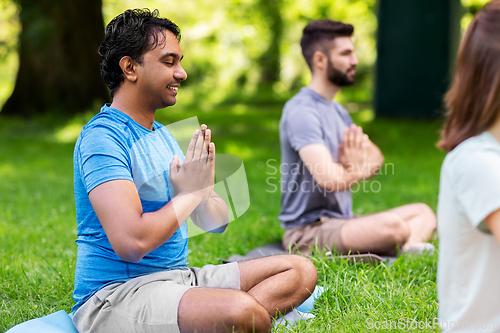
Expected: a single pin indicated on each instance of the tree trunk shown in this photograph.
(59, 63)
(270, 59)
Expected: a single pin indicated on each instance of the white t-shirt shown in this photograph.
(468, 277)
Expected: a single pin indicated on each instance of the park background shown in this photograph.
(243, 61)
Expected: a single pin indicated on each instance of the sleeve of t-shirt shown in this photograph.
(477, 184)
(303, 127)
(104, 156)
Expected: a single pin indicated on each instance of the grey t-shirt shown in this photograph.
(309, 118)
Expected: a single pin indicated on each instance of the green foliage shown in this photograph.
(230, 45)
(238, 50)
(227, 44)
(38, 225)
(9, 62)
(471, 7)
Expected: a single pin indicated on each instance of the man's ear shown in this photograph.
(319, 60)
(128, 66)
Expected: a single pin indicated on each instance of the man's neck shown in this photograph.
(323, 87)
(127, 103)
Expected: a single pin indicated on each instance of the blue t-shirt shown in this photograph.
(113, 146)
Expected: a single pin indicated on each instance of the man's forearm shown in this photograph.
(330, 175)
(131, 232)
(155, 228)
(375, 160)
(337, 178)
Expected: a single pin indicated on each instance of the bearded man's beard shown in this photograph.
(339, 78)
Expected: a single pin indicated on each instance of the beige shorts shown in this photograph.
(149, 303)
(325, 233)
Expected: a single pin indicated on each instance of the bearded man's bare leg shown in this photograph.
(421, 220)
(383, 232)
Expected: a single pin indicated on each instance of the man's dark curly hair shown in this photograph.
(319, 35)
(132, 33)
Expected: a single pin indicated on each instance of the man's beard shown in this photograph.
(337, 77)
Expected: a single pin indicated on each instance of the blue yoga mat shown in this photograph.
(308, 304)
(58, 322)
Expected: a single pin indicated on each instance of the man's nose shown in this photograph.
(180, 74)
(354, 60)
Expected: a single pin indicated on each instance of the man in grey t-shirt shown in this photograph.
(323, 155)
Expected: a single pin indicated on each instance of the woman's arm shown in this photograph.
(493, 222)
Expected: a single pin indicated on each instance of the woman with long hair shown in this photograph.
(469, 194)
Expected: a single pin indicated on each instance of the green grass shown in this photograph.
(38, 226)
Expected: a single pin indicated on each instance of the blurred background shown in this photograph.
(243, 61)
(236, 51)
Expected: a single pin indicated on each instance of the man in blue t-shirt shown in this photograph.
(134, 190)
(324, 155)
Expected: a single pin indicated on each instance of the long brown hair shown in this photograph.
(473, 101)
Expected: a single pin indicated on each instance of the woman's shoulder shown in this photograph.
(474, 152)
(476, 145)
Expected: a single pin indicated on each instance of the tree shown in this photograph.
(270, 59)
(59, 63)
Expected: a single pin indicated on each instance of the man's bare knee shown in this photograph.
(307, 273)
(428, 216)
(248, 315)
(395, 230)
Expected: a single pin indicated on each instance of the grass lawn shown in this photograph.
(38, 226)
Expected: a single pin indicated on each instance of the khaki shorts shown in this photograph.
(149, 303)
(321, 233)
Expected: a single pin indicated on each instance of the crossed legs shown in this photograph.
(269, 286)
(382, 233)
